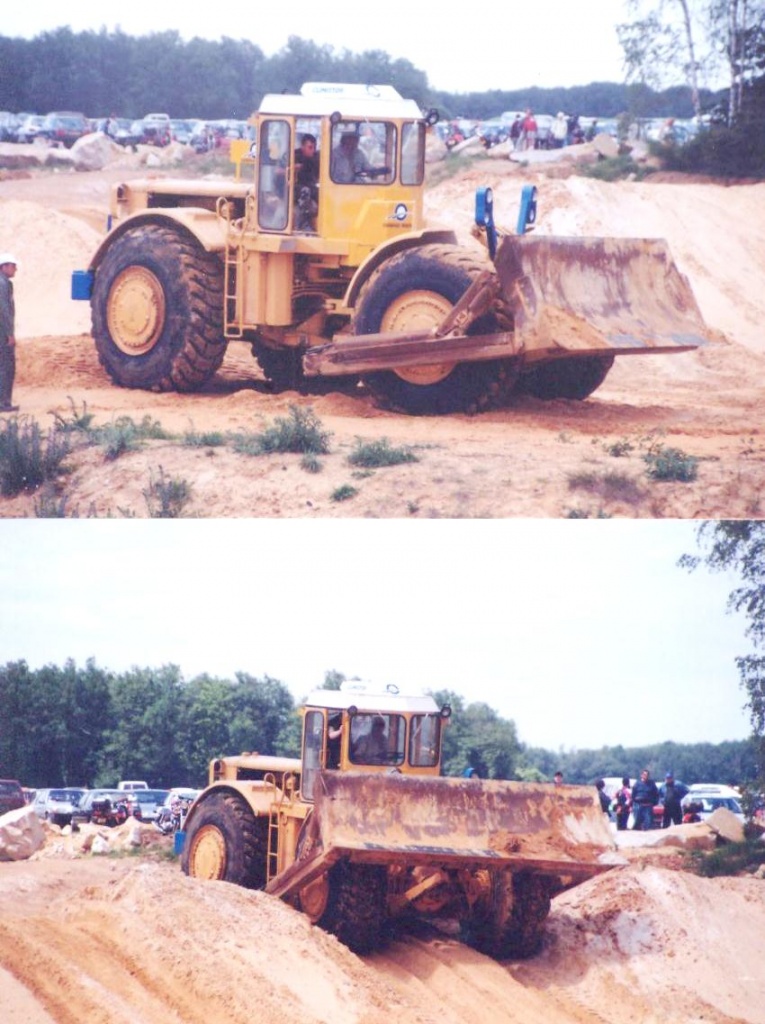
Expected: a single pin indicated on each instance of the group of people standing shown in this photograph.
(640, 798)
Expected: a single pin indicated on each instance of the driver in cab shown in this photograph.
(372, 747)
(349, 162)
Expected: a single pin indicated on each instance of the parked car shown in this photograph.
(156, 130)
(709, 797)
(127, 132)
(8, 124)
(57, 805)
(11, 795)
(83, 812)
(130, 784)
(145, 804)
(64, 128)
(491, 133)
(30, 128)
(180, 131)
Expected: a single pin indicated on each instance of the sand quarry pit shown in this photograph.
(113, 940)
(529, 459)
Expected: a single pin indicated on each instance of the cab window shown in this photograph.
(413, 153)
(363, 153)
(273, 194)
(377, 739)
(424, 740)
(313, 745)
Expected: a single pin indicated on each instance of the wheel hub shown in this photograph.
(418, 311)
(136, 311)
(207, 857)
(314, 898)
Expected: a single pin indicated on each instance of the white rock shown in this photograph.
(21, 834)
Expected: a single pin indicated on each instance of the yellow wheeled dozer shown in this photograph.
(363, 830)
(323, 263)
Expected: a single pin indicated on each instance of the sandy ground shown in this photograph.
(112, 941)
(530, 459)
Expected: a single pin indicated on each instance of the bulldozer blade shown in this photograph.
(585, 296)
(391, 819)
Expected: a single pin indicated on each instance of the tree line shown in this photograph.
(100, 73)
(87, 726)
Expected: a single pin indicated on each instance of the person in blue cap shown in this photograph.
(671, 795)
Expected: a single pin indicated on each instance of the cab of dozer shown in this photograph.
(363, 829)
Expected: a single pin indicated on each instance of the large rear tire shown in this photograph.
(566, 378)
(157, 311)
(356, 905)
(512, 922)
(226, 842)
(412, 291)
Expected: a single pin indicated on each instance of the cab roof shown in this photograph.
(368, 696)
(351, 100)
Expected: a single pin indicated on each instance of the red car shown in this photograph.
(62, 128)
(11, 795)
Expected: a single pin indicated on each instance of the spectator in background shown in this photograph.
(645, 796)
(605, 803)
(671, 795)
(516, 131)
(558, 778)
(8, 266)
(529, 131)
(622, 804)
(559, 130)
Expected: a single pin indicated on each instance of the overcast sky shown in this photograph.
(496, 45)
(584, 633)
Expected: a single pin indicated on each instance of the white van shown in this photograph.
(130, 784)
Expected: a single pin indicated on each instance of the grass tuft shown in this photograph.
(374, 454)
(27, 457)
(166, 497)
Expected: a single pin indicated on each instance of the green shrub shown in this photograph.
(613, 169)
(665, 463)
(730, 858)
(166, 497)
(373, 454)
(27, 458)
(300, 433)
(77, 422)
(310, 463)
(344, 492)
(119, 437)
(125, 435)
(736, 152)
(49, 505)
(608, 486)
(206, 439)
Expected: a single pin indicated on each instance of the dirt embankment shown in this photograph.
(531, 459)
(112, 941)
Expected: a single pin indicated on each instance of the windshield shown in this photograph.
(363, 153)
(377, 739)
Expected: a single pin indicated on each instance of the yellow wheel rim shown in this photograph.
(207, 856)
(418, 311)
(136, 311)
(314, 898)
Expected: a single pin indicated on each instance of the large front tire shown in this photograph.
(356, 909)
(226, 842)
(512, 922)
(413, 291)
(566, 378)
(157, 311)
